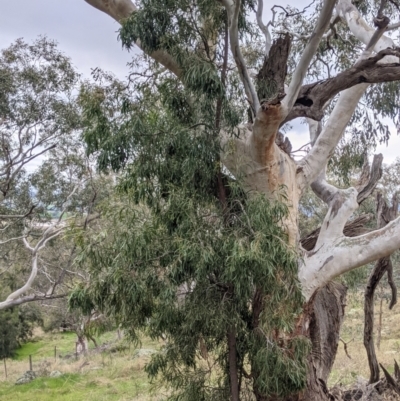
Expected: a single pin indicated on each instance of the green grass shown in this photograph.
(73, 387)
(110, 376)
(27, 349)
(44, 347)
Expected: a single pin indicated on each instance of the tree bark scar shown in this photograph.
(326, 261)
(269, 120)
(336, 205)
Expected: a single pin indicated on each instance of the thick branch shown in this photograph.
(51, 232)
(308, 54)
(336, 254)
(265, 129)
(313, 97)
(353, 228)
(326, 192)
(263, 27)
(360, 29)
(233, 10)
(27, 286)
(311, 166)
(272, 75)
(369, 247)
(122, 9)
(30, 298)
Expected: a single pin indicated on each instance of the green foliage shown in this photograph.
(40, 120)
(191, 281)
(16, 325)
(189, 256)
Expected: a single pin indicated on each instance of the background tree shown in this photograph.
(48, 189)
(198, 141)
(16, 327)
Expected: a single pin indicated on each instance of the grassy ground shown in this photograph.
(347, 370)
(113, 376)
(101, 377)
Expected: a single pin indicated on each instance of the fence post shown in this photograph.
(30, 362)
(5, 367)
(55, 353)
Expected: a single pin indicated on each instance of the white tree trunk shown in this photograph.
(255, 159)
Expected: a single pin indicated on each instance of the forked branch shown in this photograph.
(52, 231)
(309, 52)
(311, 166)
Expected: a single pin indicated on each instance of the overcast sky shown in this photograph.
(89, 37)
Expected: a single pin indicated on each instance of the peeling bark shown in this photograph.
(271, 77)
(256, 160)
(383, 265)
(326, 319)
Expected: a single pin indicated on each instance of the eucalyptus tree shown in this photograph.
(47, 186)
(197, 133)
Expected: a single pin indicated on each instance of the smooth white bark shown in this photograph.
(360, 28)
(315, 161)
(50, 231)
(263, 167)
(233, 9)
(264, 28)
(335, 254)
(308, 54)
(122, 9)
(47, 236)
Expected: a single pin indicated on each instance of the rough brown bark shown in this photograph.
(383, 265)
(313, 97)
(326, 318)
(272, 75)
(373, 281)
(233, 371)
(321, 322)
(378, 340)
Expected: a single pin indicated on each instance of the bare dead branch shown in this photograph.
(375, 174)
(345, 346)
(315, 162)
